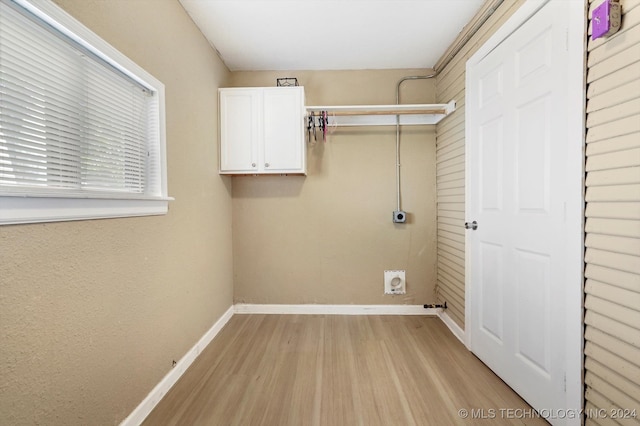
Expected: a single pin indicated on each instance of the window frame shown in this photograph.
(29, 206)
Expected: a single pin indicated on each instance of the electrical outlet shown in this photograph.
(606, 19)
(399, 216)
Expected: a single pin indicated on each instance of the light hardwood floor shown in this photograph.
(335, 370)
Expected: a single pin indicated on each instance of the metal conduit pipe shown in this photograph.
(413, 77)
(467, 33)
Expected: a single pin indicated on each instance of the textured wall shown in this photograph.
(328, 237)
(92, 313)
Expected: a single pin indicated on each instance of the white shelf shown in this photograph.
(384, 115)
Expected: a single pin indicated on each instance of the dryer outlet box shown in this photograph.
(394, 282)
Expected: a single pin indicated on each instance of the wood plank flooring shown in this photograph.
(335, 370)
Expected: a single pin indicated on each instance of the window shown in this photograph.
(81, 126)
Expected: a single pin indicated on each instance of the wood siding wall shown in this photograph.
(612, 299)
(450, 168)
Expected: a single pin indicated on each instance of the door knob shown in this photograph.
(473, 225)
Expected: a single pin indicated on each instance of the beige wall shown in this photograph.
(328, 237)
(92, 313)
(450, 168)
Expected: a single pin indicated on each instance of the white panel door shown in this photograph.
(516, 159)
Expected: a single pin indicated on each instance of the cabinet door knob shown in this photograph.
(266, 164)
(253, 164)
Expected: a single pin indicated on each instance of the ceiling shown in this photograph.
(253, 35)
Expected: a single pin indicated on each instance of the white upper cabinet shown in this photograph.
(262, 130)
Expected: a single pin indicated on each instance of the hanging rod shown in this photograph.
(384, 115)
(388, 112)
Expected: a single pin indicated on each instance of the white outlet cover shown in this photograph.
(395, 282)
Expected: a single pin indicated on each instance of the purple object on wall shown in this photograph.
(606, 19)
(600, 20)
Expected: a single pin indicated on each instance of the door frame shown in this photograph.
(574, 231)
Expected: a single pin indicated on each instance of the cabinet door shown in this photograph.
(284, 145)
(240, 118)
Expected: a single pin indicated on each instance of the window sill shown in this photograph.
(19, 210)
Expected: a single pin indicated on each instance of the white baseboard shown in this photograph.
(312, 309)
(453, 326)
(141, 412)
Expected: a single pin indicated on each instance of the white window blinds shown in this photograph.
(71, 123)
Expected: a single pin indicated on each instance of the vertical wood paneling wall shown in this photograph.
(612, 299)
(450, 173)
